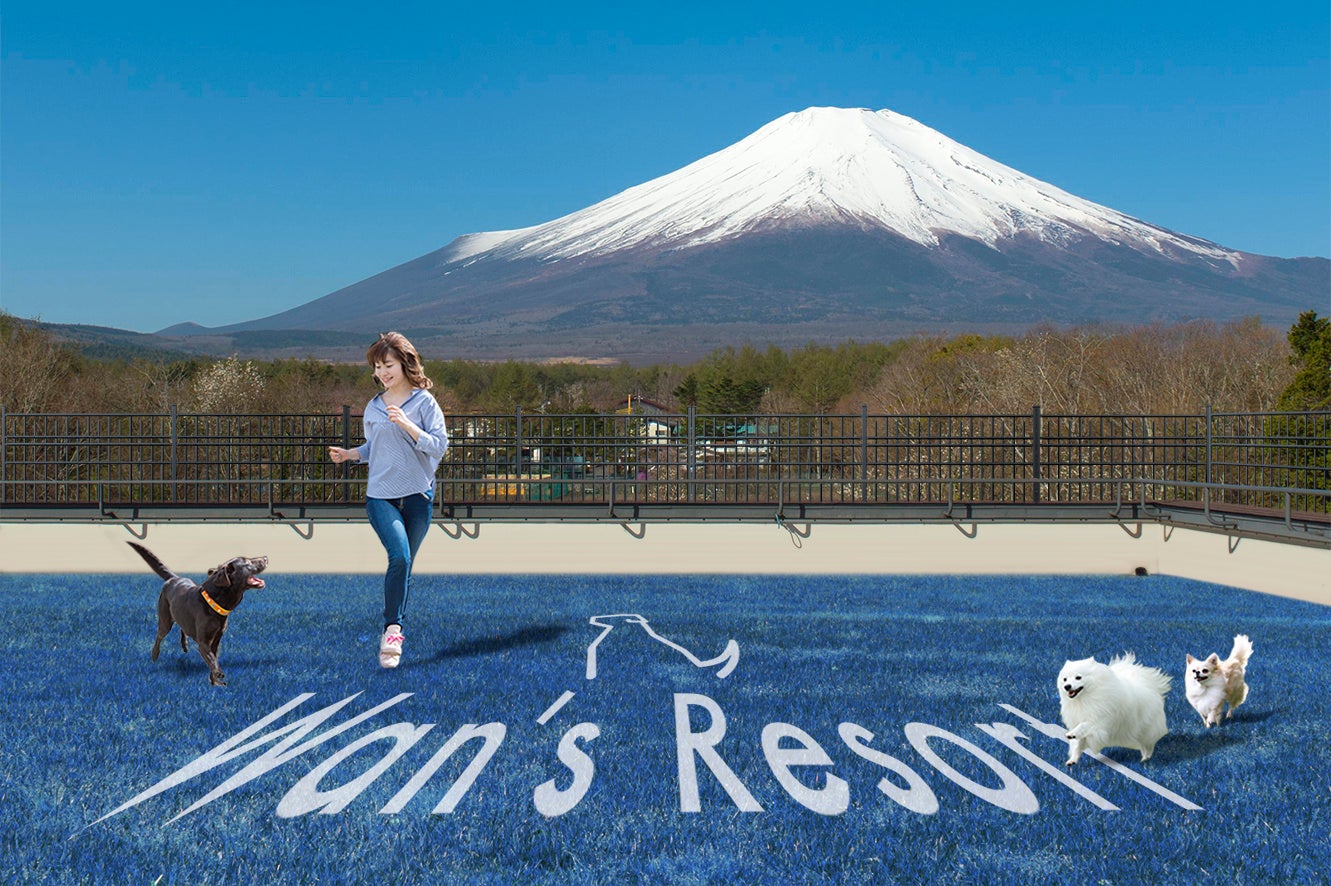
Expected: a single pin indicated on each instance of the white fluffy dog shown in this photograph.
(1211, 683)
(1121, 704)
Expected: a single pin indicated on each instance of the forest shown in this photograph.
(1242, 366)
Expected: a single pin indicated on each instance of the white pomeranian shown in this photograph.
(1212, 683)
(1120, 704)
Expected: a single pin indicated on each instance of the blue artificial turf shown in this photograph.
(89, 723)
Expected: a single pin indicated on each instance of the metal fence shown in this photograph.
(1250, 473)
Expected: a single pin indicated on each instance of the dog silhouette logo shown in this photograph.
(727, 660)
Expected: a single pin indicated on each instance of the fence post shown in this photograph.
(346, 444)
(1208, 447)
(175, 471)
(517, 434)
(864, 452)
(4, 439)
(1036, 469)
(693, 452)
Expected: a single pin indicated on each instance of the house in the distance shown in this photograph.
(654, 426)
(632, 405)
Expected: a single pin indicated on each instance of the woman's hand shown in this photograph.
(399, 418)
(337, 455)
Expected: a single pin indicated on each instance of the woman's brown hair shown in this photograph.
(395, 344)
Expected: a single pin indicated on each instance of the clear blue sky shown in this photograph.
(218, 162)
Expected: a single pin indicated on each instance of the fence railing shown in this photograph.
(1252, 467)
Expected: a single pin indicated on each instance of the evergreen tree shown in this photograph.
(1310, 340)
(514, 384)
(687, 391)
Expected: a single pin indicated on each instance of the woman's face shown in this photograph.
(389, 372)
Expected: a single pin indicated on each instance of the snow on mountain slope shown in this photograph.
(846, 166)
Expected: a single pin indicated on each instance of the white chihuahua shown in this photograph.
(1212, 683)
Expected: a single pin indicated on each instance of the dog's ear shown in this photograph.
(223, 574)
(1190, 658)
(1214, 659)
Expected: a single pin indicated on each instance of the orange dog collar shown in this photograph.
(213, 603)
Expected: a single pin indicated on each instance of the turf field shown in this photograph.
(651, 729)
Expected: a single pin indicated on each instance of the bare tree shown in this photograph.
(228, 386)
(34, 370)
(164, 384)
(1240, 366)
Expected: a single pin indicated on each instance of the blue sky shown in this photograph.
(164, 162)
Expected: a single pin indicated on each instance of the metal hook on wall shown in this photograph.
(461, 530)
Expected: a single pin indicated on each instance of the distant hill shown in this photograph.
(182, 330)
(107, 343)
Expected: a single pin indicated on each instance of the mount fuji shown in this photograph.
(823, 225)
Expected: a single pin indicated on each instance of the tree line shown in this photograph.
(1240, 366)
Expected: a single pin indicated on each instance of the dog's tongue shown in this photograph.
(255, 582)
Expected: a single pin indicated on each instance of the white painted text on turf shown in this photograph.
(336, 781)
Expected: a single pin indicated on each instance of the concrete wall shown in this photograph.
(1268, 567)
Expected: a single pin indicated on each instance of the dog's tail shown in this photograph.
(151, 559)
(1127, 667)
(1242, 650)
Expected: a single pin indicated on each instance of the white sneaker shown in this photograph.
(390, 647)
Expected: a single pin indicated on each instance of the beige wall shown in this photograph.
(1287, 570)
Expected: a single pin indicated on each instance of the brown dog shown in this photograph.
(202, 610)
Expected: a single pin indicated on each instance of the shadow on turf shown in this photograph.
(1246, 716)
(187, 668)
(1188, 745)
(190, 666)
(529, 636)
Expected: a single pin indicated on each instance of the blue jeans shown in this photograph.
(401, 524)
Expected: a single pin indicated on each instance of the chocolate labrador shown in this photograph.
(202, 610)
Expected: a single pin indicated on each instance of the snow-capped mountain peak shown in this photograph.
(872, 169)
(823, 225)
